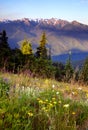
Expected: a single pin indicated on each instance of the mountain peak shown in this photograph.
(51, 21)
(62, 35)
(75, 23)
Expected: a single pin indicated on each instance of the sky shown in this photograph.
(69, 10)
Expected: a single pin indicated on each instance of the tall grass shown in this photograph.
(28, 103)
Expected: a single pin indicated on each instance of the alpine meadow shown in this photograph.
(44, 65)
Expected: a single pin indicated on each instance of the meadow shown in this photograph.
(30, 103)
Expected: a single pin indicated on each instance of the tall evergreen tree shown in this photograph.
(41, 50)
(5, 50)
(68, 69)
(84, 72)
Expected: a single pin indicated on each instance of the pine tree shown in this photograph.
(84, 72)
(68, 69)
(5, 50)
(41, 50)
(4, 41)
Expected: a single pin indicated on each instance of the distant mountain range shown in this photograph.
(62, 36)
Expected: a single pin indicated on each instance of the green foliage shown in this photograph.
(44, 68)
(5, 50)
(34, 108)
(4, 87)
(41, 50)
(38, 64)
(43, 40)
(3, 40)
(16, 61)
(59, 71)
(84, 72)
(68, 70)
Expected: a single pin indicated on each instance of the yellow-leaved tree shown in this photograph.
(26, 48)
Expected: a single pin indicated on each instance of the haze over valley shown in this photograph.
(62, 36)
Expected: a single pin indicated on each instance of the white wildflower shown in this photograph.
(79, 88)
(73, 93)
(53, 86)
(66, 105)
(57, 93)
(22, 88)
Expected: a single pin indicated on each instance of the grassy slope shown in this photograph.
(78, 95)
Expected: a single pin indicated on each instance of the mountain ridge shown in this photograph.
(62, 35)
(53, 20)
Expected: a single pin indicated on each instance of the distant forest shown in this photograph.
(24, 60)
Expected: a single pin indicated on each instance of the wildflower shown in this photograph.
(57, 93)
(59, 102)
(79, 88)
(46, 81)
(6, 80)
(41, 102)
(50, 105)
(67, 87)
(66, 105)
(45, 109)
(73, 93)
(53, 99)
(22, 88)
(46, 100)
(53, 86)
(87, 95)
(73, 113)
(30, 114)
(54, 103)
(38, 99)
(17, 85)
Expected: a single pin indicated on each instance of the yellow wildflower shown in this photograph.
(54, 103)
(46, 100)
(53, 99)
(87, 95)
(73, 113)
(43, 108)
(38, 99)
(50, 105)
(30, 114)
(41, 102)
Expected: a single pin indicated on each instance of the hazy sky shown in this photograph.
(62, 9)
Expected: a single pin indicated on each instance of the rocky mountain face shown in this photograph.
(62, 36)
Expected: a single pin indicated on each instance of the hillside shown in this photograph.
(32, 103)
(62, 35)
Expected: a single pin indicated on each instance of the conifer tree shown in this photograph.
(5, 50)
(84, 72)
(41, 50)
(68, 69)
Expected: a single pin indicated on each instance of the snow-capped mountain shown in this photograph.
(62, 35)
